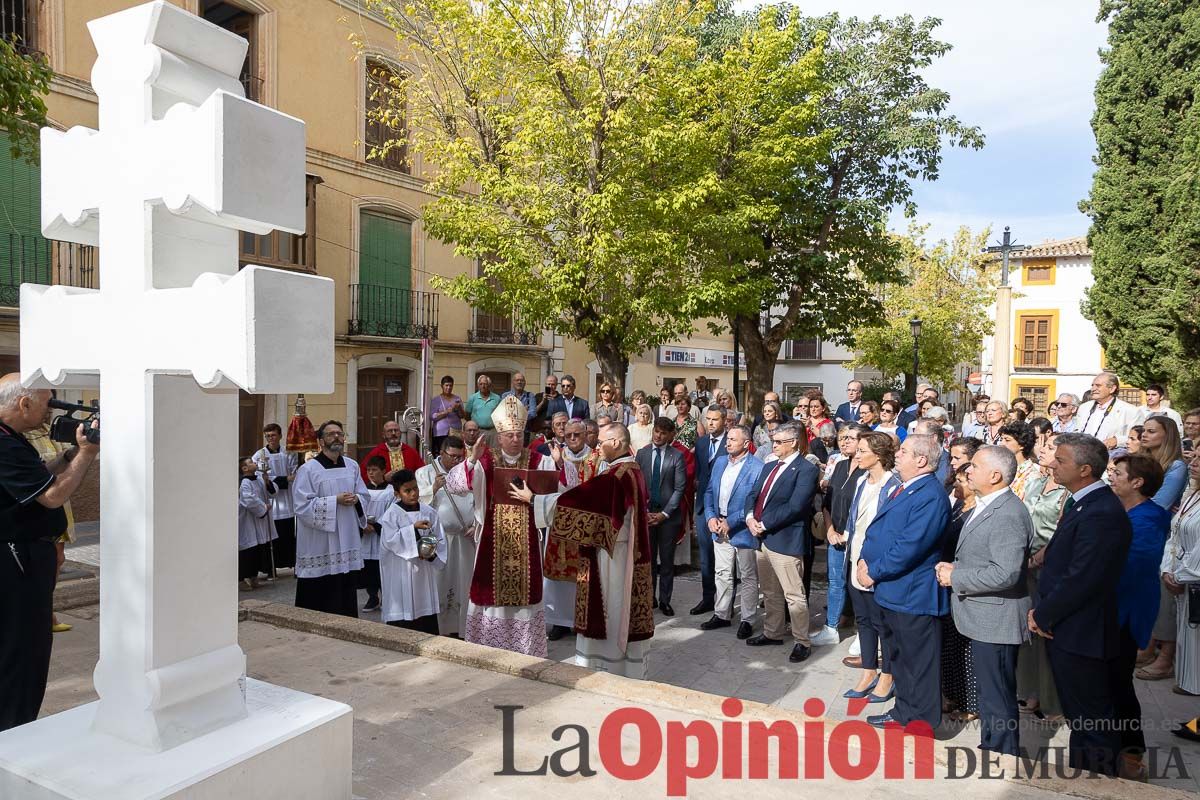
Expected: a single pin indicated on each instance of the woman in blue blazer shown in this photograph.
(877, 455)
(1135, 479)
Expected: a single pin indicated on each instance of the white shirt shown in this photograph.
(1085, 491)
(982, 502)
(1107, 421)
(1145, 413)
(728, 479)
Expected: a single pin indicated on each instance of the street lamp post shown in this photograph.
(915, 325)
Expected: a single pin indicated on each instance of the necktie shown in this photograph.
(655, 476)
(1068, 505)
(896, 492)
(762, 496)
(712, 448)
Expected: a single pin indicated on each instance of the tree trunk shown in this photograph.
(614, 364)
(762, 352)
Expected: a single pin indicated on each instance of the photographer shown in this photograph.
(32, 494)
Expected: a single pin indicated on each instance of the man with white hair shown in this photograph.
(989, 592)
(1065, 419)
(1106, 416)
(32, 495)
(902, 545)
(931, 426)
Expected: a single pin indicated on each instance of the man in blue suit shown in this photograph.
(779, 511)
(568, 402)
(903, 544)
(847, 412)
(1077, 607)
(708, 448)
(724, 523)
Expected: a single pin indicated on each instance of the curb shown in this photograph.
(77, 593)
(641, 693)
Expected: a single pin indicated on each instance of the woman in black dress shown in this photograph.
(959, 687)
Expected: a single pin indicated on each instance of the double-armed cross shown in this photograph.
(180, 164)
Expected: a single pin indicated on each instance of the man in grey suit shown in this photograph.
(990, 598)
(665, 475)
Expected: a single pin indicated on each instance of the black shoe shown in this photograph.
(879, 720)
(1184, 732)
(666, 609)
(745, 630)
(703, 608)
(762, 639)
(714, 623)
(557, 632)
(799, 653)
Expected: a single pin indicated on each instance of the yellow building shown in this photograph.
(364, 218)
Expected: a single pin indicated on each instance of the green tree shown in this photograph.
(24, 80)
(949, 286)
(1144, 202)
(828, 246)
(567, 144)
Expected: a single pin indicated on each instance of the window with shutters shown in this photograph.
(1037, 393)
(384, 130)
(807, 349)
(1037, 340)
(283, 249)
(232, 17)
(1038, 272)
(383, 302)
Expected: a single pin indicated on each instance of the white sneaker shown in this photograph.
(826, 635)
(855, 647)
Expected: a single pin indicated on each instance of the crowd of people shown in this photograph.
(1012, 563)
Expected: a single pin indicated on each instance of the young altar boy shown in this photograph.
(255, 530)
(410, 590)
(382, 496)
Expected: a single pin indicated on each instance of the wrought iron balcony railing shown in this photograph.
(28, 258)
(398, 313)
(501, 334)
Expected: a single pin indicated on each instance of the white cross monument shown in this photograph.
(182, 162)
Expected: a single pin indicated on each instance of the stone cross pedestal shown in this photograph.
(182, 162)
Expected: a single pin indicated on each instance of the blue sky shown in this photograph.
(1024, 71)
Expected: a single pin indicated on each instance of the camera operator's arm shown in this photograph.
(68, 479)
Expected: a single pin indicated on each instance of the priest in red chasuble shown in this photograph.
(506, 587)
(605, 518)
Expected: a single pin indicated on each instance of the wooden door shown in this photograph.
(382, 394)
(250, 422)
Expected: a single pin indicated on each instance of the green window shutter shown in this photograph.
(384, 271)
(24, 253)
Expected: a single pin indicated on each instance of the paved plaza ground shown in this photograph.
(429, 728)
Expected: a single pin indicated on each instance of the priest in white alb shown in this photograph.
(457, 515)
(506, 586)
(605, 519)
(330, 499)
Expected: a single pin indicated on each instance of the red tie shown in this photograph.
(762, 496)
(896, 492)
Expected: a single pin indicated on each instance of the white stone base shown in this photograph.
(291, 745)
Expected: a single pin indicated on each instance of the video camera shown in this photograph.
(62, 429)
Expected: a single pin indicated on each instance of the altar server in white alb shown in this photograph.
(254, 524)
(382, 496)
(330, 499)
(412, 552)
(457, 515)
(281, 470)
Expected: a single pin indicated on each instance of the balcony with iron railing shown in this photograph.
(28, 258)
(1027, 360)
(499, 329)
(18, 24)
(396, 313)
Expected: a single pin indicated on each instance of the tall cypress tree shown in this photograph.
(1145, 198)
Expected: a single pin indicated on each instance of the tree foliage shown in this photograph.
(24, 80)
(829, 246)
(581, 153)
(1145, 197)
(949, 286)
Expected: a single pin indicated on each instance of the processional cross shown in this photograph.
(182, 162)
